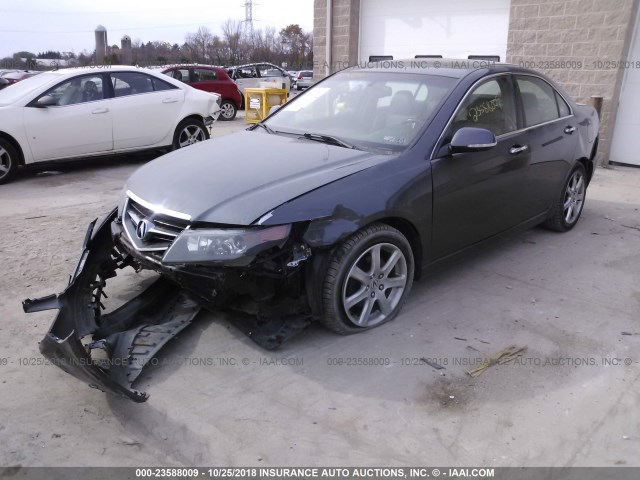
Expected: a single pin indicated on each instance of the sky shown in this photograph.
(68, 25)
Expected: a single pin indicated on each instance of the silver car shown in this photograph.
(304, 79)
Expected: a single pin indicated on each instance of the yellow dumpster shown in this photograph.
(258, 102)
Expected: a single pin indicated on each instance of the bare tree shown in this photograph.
(232, 34)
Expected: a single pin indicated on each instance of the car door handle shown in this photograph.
(569, 130)
(100, 110)
(170, 100)
(516, 149)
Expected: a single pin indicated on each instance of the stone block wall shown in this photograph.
(345, 35)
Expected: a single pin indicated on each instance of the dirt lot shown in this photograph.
(572, 399)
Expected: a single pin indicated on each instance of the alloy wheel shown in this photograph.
(574, 197)
(374, 285)
(191, 134)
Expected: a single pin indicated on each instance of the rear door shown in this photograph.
(145, 109)
(479, 194)
(205, 79)
(553, 137)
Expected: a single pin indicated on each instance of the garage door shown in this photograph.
(454, 29)
(626, 141)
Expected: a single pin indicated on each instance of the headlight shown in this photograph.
(201, 246)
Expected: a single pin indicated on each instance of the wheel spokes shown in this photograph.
(363, 319)
(574, 197)
(374, 285)
(569, 214)
(360, 275)
(395, 282)
(385, 305)
(391, 262)
(375, 258)
(357, 297)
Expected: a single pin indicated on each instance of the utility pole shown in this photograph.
(248, 16)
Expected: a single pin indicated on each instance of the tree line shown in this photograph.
(291, 47)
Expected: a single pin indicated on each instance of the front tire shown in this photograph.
(188, 132)
(8, 161)
(228, 110)
(368, 279)
(568, 207)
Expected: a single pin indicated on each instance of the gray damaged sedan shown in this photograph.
(326, 211)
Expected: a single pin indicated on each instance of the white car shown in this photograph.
(254, 75)
(84, 112)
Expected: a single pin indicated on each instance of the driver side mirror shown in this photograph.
(46, 101)
(471, 139)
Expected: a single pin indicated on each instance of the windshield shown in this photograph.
(365, 109)
(16, 91)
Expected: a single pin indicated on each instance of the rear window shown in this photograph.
(204, 75)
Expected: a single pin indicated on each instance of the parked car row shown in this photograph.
(230, 82)
(210, 79)
(78, 112)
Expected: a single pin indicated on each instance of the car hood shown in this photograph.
(238, 178)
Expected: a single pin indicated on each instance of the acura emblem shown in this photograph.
(143, 228)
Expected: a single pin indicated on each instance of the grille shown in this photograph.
(158, 231)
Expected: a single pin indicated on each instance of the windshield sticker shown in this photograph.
(486, 107)
(394, 140)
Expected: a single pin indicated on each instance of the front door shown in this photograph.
(79, 124)
(479, 194)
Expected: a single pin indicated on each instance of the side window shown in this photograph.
(247, 72)
(490, 105)
(161, 85)
(181, 74)
(78, 90)
(563, 108)
(538, 101)
(269, 71)
(129, 83)
(204, 75)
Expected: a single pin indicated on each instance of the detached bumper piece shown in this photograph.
(108, 351)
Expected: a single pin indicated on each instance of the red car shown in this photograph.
(210, 79)
(15, 77)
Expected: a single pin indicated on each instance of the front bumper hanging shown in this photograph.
(130, 336)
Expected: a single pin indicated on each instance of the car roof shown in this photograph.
(446, 67)
(194, 65)
(100, 69)
(253, 65)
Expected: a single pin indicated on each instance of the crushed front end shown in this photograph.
(257, 272)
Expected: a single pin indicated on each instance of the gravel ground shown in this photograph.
(561, 296)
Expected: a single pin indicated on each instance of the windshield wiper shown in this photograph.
(327, 139)
(266, 127)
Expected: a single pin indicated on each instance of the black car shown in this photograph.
(328, 210)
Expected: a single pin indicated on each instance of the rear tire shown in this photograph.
(188, 132)
(368, 279)
(569, 205)
(228, 110)
(8, 161)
